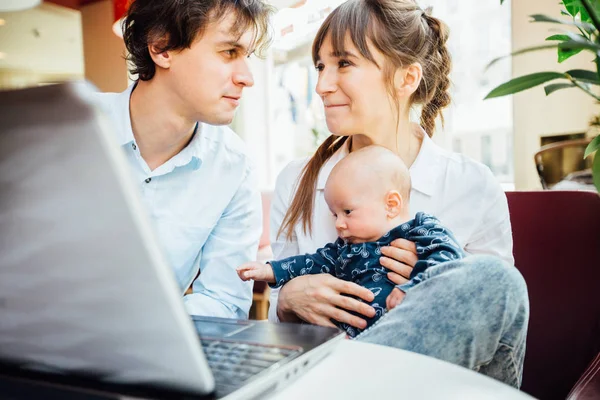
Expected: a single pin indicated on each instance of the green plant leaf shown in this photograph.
(561, 38)
(593, 10)
(575, 7)
(523, 83)
(596, 171)
(586, 26)
(592, 147)
(549, 89)
(523, 51)
(565, 54)
(585, 76)
(580, 44)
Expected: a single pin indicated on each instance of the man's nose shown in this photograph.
(242, 75)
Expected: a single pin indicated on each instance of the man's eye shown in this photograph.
(343, 63)
(347, 212)
(231, 52)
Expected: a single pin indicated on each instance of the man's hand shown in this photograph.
(256, 271)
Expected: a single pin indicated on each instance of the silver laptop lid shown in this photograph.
(84, 286)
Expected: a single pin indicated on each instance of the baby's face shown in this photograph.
(360, 215)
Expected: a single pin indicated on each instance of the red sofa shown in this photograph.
(557, 249)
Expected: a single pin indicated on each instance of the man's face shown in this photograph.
(208, 78)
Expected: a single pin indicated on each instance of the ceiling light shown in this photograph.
(17, 5)
(2, 55)
(2, 22)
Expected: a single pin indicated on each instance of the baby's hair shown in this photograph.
(378, 163)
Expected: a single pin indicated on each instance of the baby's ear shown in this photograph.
(393, 203)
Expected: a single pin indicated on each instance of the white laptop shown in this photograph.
(87, 300)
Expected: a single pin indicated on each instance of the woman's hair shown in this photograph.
(175, 24)
(404, 34)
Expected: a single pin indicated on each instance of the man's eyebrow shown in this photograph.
(232, 43)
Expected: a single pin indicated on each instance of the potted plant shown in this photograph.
(581, 37)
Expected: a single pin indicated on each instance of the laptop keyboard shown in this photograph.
(234, 363)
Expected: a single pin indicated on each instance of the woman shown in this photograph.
(377, 59)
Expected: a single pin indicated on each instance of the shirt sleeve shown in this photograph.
(435, 244)
(282, 247)
(494, 234)
(218, 291)
(322, 262)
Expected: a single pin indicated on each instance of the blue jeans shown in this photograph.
(471, 312)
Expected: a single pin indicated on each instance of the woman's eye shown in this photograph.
(319, 67)
(347, 212)
(343, 63)
(230, 52)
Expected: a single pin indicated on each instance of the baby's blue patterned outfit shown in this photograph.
(359, 263)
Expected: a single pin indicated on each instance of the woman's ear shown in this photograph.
(407, 80)
(393, 203)
(161, 58)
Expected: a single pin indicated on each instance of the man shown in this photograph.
(195, 179)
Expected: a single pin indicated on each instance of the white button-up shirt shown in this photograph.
(205, 205)
(462, 193)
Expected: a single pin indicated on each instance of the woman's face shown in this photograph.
(353, 90)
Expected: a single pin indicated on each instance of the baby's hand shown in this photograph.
(257, 271)
(394, 298)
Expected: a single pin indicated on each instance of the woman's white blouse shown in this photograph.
(461, 192)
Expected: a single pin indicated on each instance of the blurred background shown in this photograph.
(281, 118)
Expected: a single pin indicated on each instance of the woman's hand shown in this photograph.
(319, 298)
(400, 258)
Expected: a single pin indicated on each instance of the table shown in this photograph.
(356, 370)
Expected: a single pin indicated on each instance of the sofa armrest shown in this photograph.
(588, 385)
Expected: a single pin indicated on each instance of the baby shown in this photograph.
(367, 193)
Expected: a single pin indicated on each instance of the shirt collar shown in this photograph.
(123, 117)
(329, 164)
(192, 152)
(425, 171)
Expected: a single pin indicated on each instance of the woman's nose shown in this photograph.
(326, 82)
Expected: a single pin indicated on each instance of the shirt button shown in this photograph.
(134, 146)
(148, 180)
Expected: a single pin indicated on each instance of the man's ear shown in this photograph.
(393, 203)
(407, 80)
(162, 59)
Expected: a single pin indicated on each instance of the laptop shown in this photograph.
(87, 299)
